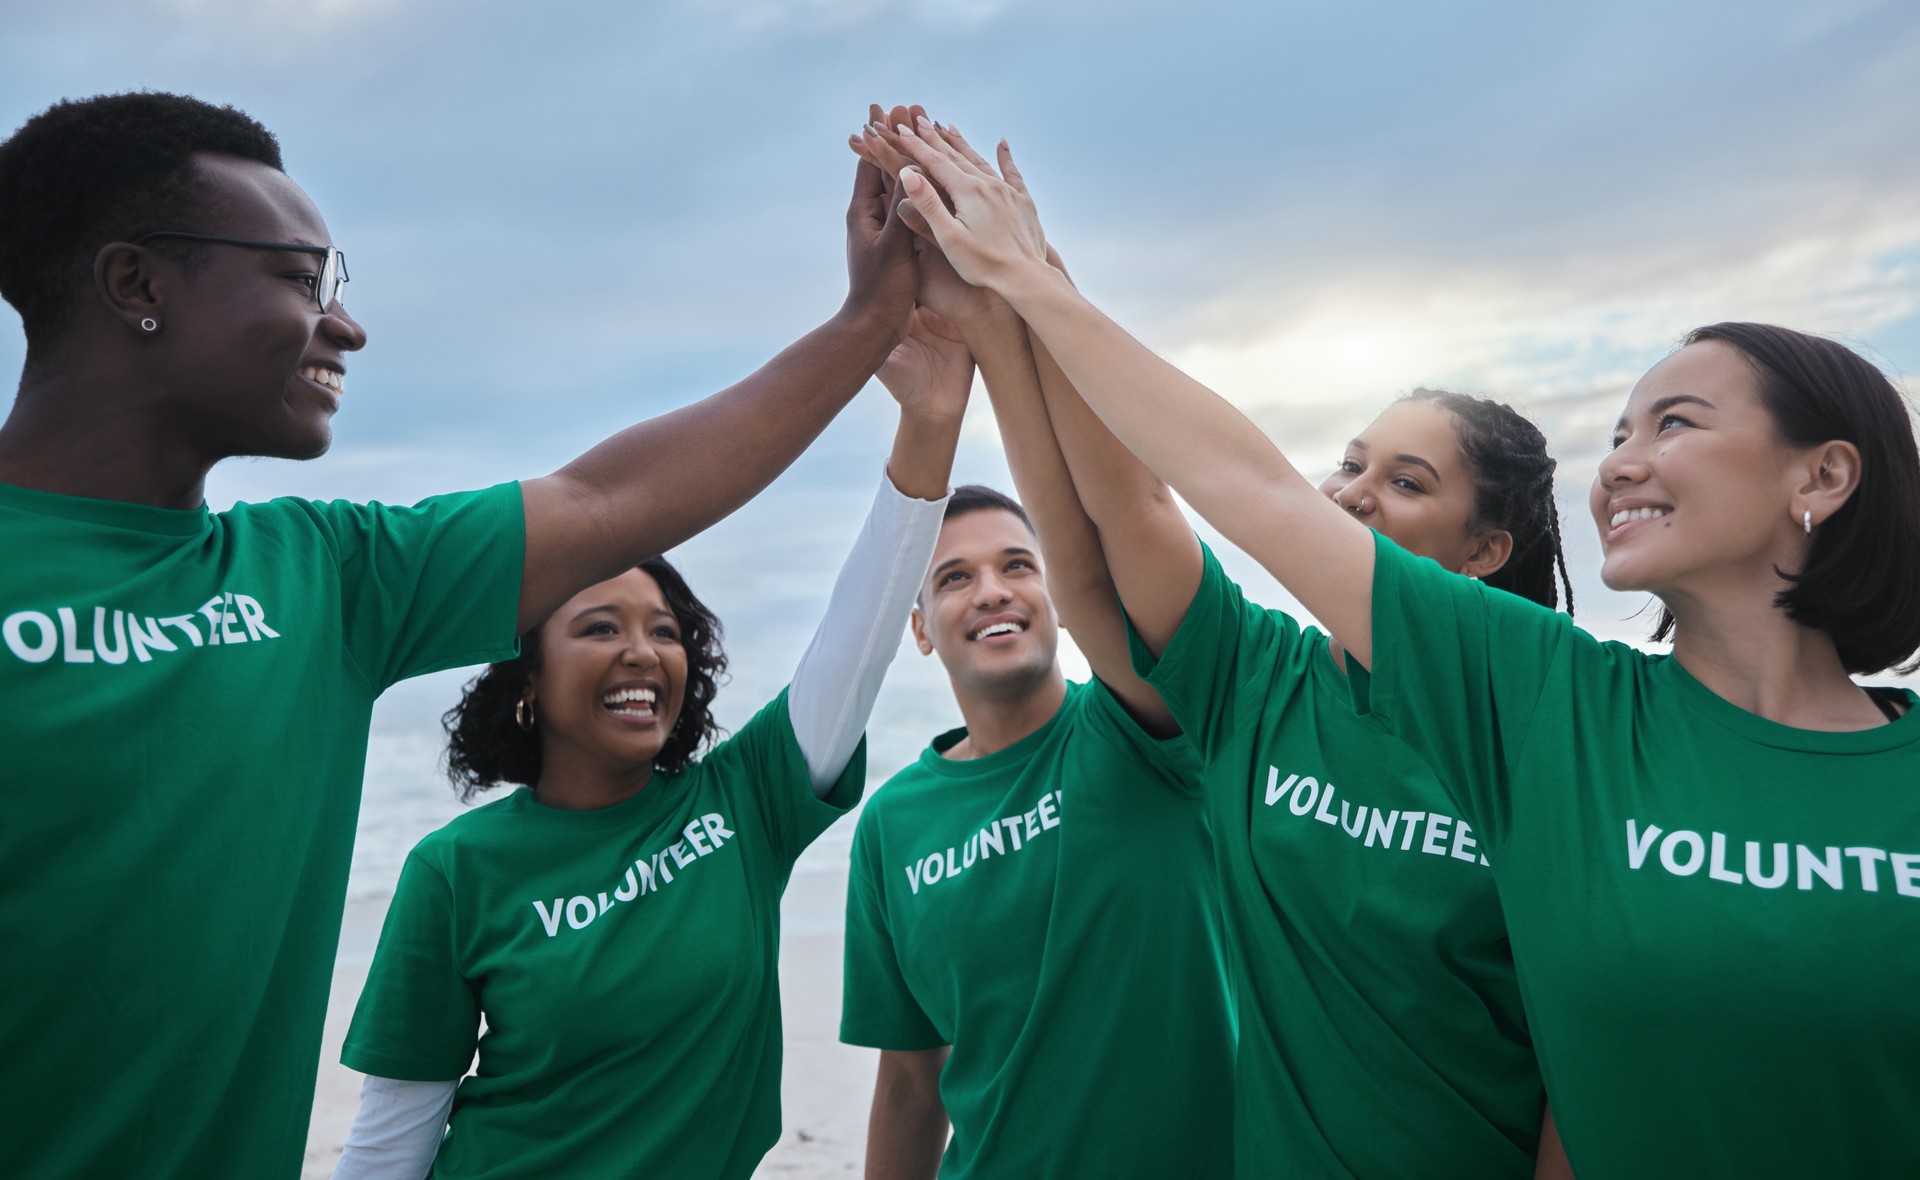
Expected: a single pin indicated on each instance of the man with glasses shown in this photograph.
(184, 694)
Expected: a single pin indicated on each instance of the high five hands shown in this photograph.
(991, 234)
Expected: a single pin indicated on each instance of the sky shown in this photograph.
(565, 217)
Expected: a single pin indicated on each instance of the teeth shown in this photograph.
(997, 629)
(627, 696)
(327, 377)
(1622, 517)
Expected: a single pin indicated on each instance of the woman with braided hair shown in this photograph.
(1380, 1028)
(1708, 862)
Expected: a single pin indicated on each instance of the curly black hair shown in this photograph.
(1513, 490)
(86, 172)
(486, 746)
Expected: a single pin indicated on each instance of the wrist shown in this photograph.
(1026, 279)
(864, 320)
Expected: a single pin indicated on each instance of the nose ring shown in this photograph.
(1362, 508)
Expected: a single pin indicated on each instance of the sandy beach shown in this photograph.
(826, 1086)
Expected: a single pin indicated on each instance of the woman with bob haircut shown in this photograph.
(614, 923)
(1709, 861)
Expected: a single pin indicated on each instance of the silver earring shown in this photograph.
(523, 714)
(149, 325)
(1806, 521)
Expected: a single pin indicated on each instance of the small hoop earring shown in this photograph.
(1806, 521)
(149, 325)
(523, 714)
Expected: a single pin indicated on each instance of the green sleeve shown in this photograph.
(418, 1019)
(1173, 761)
(1458, 673)
(432, 586)
(1226, 658)
(877, 1008)
(764, 760)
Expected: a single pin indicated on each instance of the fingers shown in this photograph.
(869, 201)
(1009, 170)
(953, 136)
(910, 213)
(877, 149)
(928, 205)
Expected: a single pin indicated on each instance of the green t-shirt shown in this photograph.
(1381, 1031)
(1716, 918)
(624, 960)
(1067, 948)
(185, 697)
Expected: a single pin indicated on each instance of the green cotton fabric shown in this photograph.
(186, 696)
(624, 960)
(1049, 911)
(1380, 1027)
(1716, 918)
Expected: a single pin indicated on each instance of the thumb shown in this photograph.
(911, 215)
(925, 206)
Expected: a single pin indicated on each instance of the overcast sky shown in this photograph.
(563, 217)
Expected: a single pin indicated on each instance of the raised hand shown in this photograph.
(881, 275)
(930, 372)
(992, 233)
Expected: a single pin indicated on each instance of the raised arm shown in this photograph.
(1076, 565)
(657, 483)
(1216, 458)
(839, 676)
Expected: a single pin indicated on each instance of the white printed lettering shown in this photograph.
(1381, 827)
(1048, 818)
(183, 623)
(1436, 842)
(72, 653)
(227, 633)
(1717, 868)
(1324, 813)
(1672, 862)
(1359, 819)
(1906, 873)
(1826, 867)
(716, 827)
(550, 918)
(1276, 790)
(1637, 847)
(1033, 823)
(990, 835)
(1463, 842)
(117, 654)
(629, 887)
(1413, 819)
(255, 618)
(696, 839)
(1304, 796)
(580, 906)
(1012, 825)
(39, 651)
(213, 608)
(1782, 864)
(933, 868)
(913, 876)
(1869, 859)
(147, 638)
(681, 859)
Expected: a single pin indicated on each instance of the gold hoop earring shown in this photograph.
(523, 714)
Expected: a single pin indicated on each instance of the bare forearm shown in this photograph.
(659, 482)
(1082, 590)
(921, 463)
(1152, 554)
(1211, 453)
(907, 1129)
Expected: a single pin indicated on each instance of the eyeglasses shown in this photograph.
(333, 264)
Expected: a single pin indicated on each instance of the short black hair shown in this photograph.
(1513, 490)
(973, 497)
(486, 746)
(1861, 584)
(90, 171)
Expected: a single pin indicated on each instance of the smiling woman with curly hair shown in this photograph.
(614, 923)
